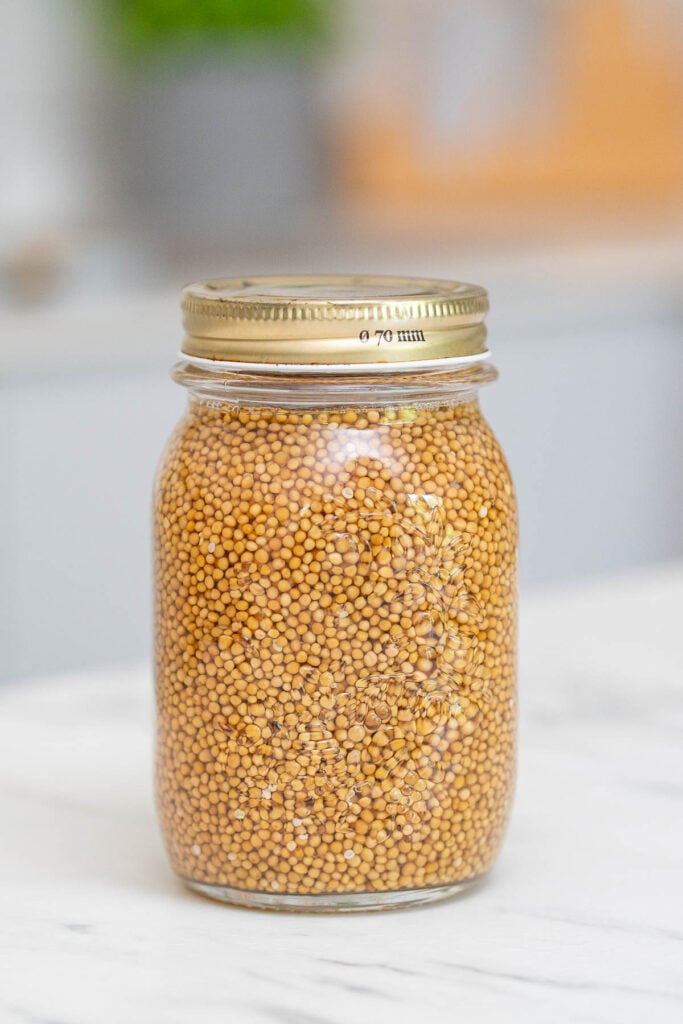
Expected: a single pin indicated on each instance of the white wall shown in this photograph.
(51, 85)
(78, 465)
(592, 425)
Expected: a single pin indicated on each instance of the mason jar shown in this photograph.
(335, 562)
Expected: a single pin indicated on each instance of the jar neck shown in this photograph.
(370, 389)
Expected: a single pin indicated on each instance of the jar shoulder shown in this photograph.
(408, 461)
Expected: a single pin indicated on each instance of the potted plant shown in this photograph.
(219, 131)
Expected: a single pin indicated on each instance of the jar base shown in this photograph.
(332, 903)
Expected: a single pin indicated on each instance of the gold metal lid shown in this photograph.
(335, 320)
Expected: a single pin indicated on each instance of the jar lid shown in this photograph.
(334, 320)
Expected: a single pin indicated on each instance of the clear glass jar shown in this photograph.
(335, 559)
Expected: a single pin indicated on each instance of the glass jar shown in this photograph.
(335, 560)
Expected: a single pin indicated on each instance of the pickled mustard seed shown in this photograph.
(335, 646)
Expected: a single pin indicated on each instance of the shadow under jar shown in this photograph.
(335, 559)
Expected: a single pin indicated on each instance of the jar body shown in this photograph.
(335, 649)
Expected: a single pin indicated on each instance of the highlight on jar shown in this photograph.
(335, 575)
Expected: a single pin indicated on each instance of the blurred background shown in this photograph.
(532, 146)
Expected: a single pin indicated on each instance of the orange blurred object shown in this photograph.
(600, 127)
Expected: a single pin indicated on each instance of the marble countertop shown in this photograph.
(582, 920)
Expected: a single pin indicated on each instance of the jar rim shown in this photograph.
(335, 369)
(259, 385)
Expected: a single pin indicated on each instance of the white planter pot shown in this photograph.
(220, 151)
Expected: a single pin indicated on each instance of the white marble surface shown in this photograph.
(581, 921)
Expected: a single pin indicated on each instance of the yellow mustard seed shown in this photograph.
(335, 647)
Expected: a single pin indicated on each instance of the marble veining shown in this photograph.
(582, 920)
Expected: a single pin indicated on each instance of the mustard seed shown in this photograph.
(335, 609)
